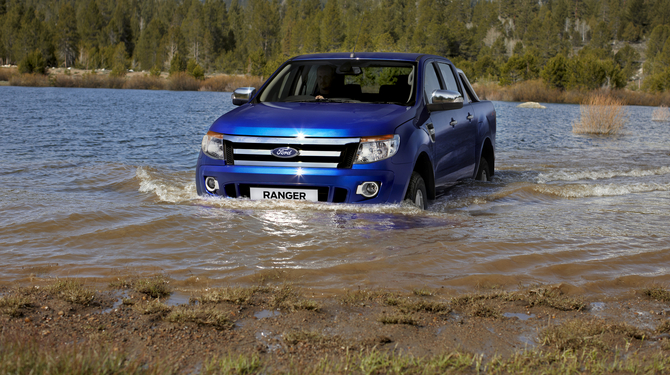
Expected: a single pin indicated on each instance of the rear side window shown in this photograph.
(431, 82)
(468, 88)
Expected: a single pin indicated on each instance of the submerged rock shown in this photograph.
(531, 105)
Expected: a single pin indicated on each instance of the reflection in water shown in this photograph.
(590, 211)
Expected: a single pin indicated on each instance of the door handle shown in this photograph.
(453, 122)
(470, 117)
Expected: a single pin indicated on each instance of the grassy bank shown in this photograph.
(69, 326)
(140, 81)
(532, 90)
(538, 91)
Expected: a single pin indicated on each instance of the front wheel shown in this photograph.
(483, 173)
(416, 191)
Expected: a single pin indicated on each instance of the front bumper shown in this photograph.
(333, 184)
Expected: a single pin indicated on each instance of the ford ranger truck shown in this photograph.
(351, 128)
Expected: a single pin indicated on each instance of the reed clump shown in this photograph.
(21, 357)
(88, 80)
(228, 83)
(661, 114)
(12, 305)
(538, 91)
(154, 287)
(577, 334)
(208, 316)
(7, 73)
(657, 293)
(145, 82)
(237, 295)
(29, 80)
(183, 82)
(602, 115)
(73, 291)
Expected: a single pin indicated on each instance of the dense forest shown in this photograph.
(582, 44)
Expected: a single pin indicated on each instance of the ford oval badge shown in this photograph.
(285, 152)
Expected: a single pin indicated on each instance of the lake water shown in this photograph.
(99, 183)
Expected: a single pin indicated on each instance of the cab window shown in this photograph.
(448, 75)
(430, 82)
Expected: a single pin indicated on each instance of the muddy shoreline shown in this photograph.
(278, 327)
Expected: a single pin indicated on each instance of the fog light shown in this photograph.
(368, 189)
(211, 184)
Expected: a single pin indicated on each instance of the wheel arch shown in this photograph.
(424, 167)
(488, 153)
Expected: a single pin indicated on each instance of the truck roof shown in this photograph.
(398, 56)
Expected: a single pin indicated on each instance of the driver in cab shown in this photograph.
(325, 75)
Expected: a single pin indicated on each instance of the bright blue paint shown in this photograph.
(455, 156)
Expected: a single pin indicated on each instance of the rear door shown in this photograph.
(455, 130)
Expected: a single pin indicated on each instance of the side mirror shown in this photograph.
(443, 100)
(243, 95)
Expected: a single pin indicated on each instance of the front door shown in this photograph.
(455, 131)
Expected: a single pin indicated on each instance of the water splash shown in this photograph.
(567, 175)
(166, 187)
(599, 190)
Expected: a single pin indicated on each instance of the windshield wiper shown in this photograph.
(326, 100)
(382, 102)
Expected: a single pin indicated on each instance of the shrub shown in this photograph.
(31, 80)
(33, 63)
(195, 70)
(228, 83)
(177, 64)
(145, 82)
(601, 114)
(198, 72)
(183, 82)
(7, 73)
(155, 71)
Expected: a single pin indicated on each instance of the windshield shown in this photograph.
(343, 81)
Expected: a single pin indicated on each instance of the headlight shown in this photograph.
(212, 145)
(374, 149)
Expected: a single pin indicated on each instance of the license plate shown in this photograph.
(292, 194)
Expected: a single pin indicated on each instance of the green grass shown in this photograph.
(154, 287)
(72, 291)
(658, 293)
(664, 327)
(237, 295)
(152, 306)
(240, 365)
(209, 316)
(407, 305)
(549, 297)
(578, 334)
(13, 304)
(29, 358)
(422, 292)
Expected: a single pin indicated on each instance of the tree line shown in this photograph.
(568, 43)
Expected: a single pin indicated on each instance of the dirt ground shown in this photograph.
(288, 329)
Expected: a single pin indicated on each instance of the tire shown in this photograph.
(483, 173)
(416, 191)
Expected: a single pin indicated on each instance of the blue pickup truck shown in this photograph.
(351, 128)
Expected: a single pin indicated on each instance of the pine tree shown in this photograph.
(332, 29)
(148, 51)
(192, 28)
(66, 34)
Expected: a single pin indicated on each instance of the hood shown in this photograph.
(313, 119)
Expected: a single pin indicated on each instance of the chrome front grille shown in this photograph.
(313, 152)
